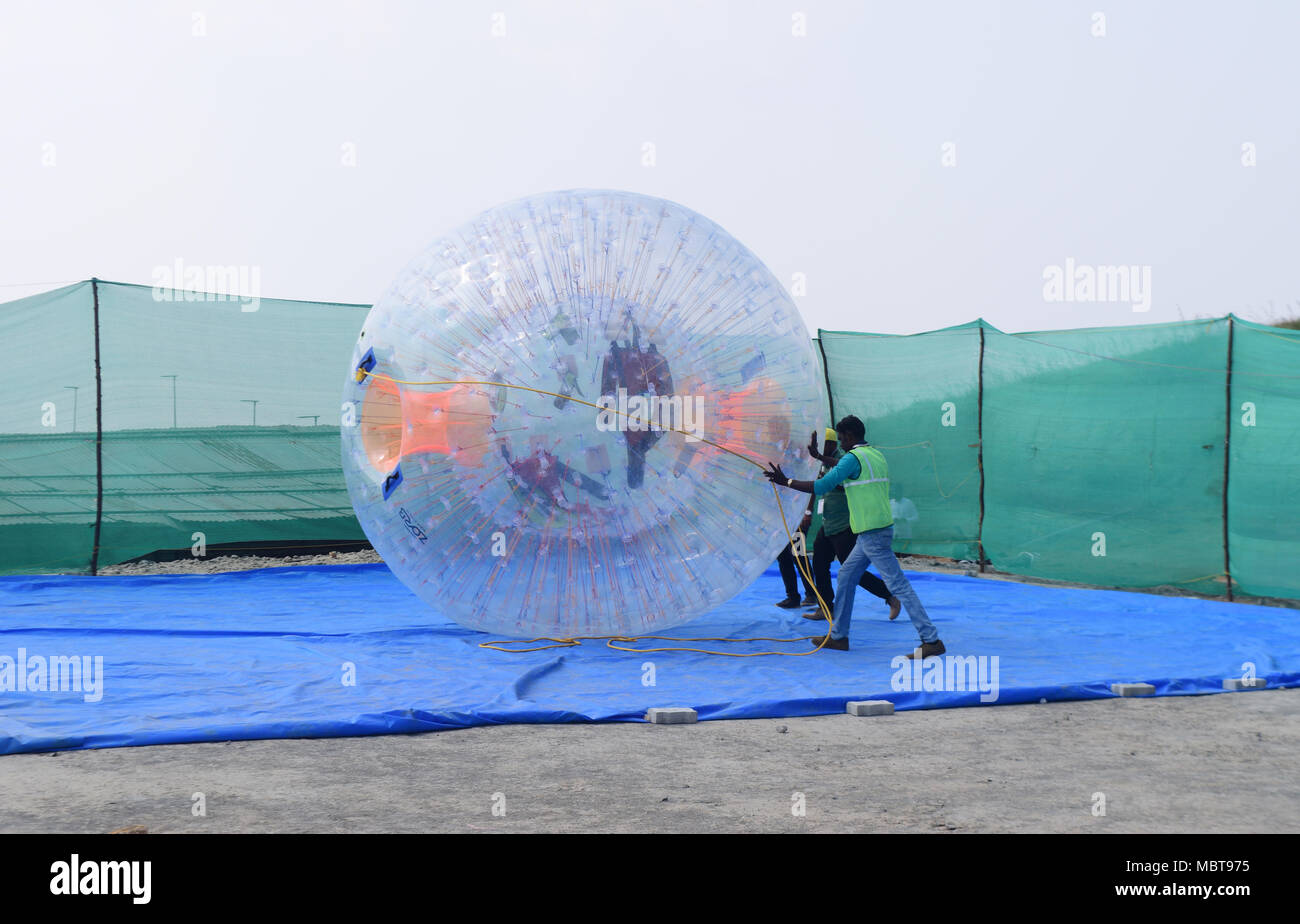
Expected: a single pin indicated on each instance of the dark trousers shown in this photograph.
(840, 545)
(785, 562)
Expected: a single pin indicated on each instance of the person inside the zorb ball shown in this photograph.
(635, 370)
(544, 475)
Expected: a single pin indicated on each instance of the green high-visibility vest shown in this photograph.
(868, 494)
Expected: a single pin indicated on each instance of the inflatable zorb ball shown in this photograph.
(606, 501)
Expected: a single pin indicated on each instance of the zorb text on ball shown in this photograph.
(555, 418)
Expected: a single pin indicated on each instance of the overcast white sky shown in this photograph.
(127, 141)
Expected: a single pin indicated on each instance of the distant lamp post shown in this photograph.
(314, 418)
(74, 405)
(173, 378)
(254, 404)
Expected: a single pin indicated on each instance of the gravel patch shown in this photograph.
(223, 563)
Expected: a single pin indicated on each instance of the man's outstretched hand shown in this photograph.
(774, 474)
(812, 447)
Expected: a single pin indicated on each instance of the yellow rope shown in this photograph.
(576, 641)
(1205, 577)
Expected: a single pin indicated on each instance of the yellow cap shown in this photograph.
(831, 435)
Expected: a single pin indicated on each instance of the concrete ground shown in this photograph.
(1216, 763)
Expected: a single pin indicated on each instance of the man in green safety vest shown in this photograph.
(864, 473)
(835, 540)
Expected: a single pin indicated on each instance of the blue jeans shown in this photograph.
(876, 545)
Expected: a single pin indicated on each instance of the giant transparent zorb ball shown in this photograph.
(608, 501)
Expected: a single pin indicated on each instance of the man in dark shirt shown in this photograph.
(789, 568)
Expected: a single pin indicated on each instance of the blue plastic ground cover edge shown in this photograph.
(265, 654)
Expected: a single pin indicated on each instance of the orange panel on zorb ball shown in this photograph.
(399, 421)
(546, 414)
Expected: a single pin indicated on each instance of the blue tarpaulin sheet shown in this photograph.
(348, 650)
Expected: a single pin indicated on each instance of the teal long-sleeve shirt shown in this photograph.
(846, 469)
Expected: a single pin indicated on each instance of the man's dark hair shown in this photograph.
(851, 426)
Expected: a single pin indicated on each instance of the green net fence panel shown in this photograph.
(816, 523)
(47, 432)
(918, 397)
(1095, 456)
(1103, 454)
(188, 458)
(1105, 451)
(1264, 481)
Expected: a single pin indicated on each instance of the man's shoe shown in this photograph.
(815, 614)
(810, 600)
(789, 603)
(895, 605)
(839, 644)
(929, 649)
